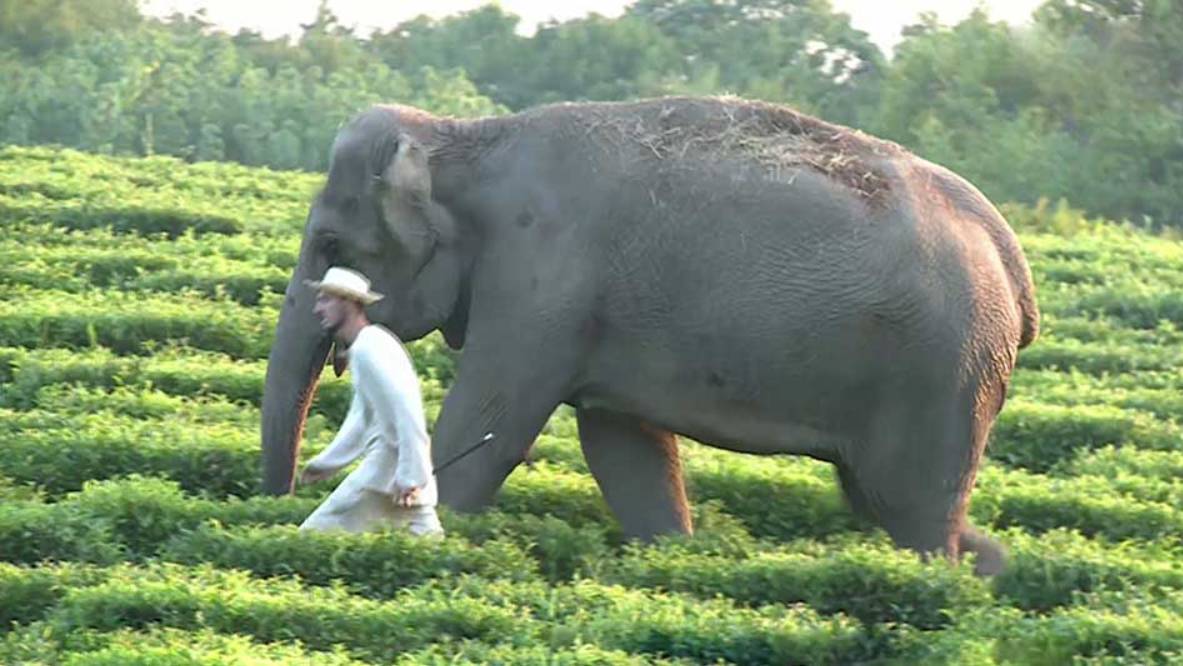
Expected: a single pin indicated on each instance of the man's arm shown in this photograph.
(348, 444)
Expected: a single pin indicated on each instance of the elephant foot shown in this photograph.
(990, 555)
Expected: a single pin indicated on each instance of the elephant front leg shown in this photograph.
(638, 470)
(491, 395)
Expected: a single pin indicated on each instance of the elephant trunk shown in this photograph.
(297, 358)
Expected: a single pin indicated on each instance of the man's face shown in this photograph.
(332, 311)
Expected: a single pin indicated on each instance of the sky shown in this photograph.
(881, 19)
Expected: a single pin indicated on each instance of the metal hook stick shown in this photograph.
(484, 440)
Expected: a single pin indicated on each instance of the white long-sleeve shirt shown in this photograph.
(385, 420)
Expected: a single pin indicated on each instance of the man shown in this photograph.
(394, 484)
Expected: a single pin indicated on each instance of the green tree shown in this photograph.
(173, 89)
(34, 27)
(482, 42)
(1071, 107)
(796, 51)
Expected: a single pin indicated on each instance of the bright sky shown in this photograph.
(881, 19)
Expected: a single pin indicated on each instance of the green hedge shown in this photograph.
(1161, 395)
(1052, 569)
(145, 513)
(126, 218)
(672, 625)
(373, 565)
(166, 647)
(1038, 437)
(187, 372)
(29, 593)
(60, 453)
(33, 532)
(1114, 461)
(116, 253)
(39, 644)
(518, 614)
(1114, 627)
(1090, 505)
(152, 196)
(134, 324)
(874, 583)
(275, 610)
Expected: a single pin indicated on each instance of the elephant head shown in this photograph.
(376, 214)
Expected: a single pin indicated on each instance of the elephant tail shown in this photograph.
(1019, 273)
(1030, 315)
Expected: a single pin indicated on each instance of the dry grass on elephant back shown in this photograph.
(781, 140)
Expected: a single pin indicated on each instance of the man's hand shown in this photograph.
(407, 496)
(313, 474)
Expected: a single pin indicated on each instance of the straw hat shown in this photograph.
(346, 283)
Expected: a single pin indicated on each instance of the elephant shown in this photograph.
(732, 271)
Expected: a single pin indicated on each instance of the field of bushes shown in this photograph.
(140, 297)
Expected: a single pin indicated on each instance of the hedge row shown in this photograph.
(511, 613)
(781, 502)
(102, 247)
(372, 565)
(1111, 627)
(1105, 249)
(29, 593)
(1053, 569)
(126, 217)
(76, 195)
(215, 278)
(87, 175)
(225, 602)
(1136, 306)
(1098, 358)
(1115, 462)
(1038, 437)
(60, 453)
(168, 647)
(189, 372)
(138, 518)
(166, 392)
(1160, 395)
(1090, 505)
(182, 373)
(872, 582)
(38, 644)
(1101, 329)
(130, 323)
(128, 518)
(33, 532)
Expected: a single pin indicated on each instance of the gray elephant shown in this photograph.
(732, 271)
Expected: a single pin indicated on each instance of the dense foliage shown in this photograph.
(1083, 104)
(132, 357)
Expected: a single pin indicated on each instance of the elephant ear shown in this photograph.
(406, 196)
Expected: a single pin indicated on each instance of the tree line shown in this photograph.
(1084, 104)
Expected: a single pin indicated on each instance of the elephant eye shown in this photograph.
(329, 247)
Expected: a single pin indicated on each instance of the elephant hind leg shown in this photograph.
(638, 470)
(915, 472)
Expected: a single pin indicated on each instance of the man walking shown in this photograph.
(394, 484)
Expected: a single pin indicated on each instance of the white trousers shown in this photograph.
(357, 509)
